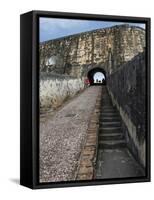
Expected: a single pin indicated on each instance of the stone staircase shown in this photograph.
(114, 159)
(110, 135)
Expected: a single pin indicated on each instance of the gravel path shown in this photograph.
(63, 135)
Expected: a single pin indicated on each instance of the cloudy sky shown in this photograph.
(52, 28)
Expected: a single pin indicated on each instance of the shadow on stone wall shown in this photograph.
(127, 89)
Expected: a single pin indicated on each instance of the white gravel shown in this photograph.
(63, 135)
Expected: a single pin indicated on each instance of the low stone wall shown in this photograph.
(127, 89)
(54, 90)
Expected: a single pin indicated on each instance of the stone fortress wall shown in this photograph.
(107, 48)
(75, 55)
(118, 50)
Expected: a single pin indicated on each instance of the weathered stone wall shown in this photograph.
(127, 89)
(55, 89)
(108, 48)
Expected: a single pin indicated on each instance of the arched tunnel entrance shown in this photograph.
(97, 76)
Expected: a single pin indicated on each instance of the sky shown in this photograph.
(99, 76)
(52, 28)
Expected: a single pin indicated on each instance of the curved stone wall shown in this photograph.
(108, 48)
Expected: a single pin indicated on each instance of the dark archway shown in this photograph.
(101, 79)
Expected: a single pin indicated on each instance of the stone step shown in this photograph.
(113, 114)
(112, 144)
(107, 107)
(111, 136)
(110, 129)
(108, 110)
(110, 119)
(110, 124)
(106, 102)
(106, 99)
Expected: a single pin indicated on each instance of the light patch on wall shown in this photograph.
(51, 60)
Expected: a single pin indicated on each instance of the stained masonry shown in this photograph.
(120, 52)
(107, 48)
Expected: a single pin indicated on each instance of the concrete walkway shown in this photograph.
(117, 163)
(63, 135)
